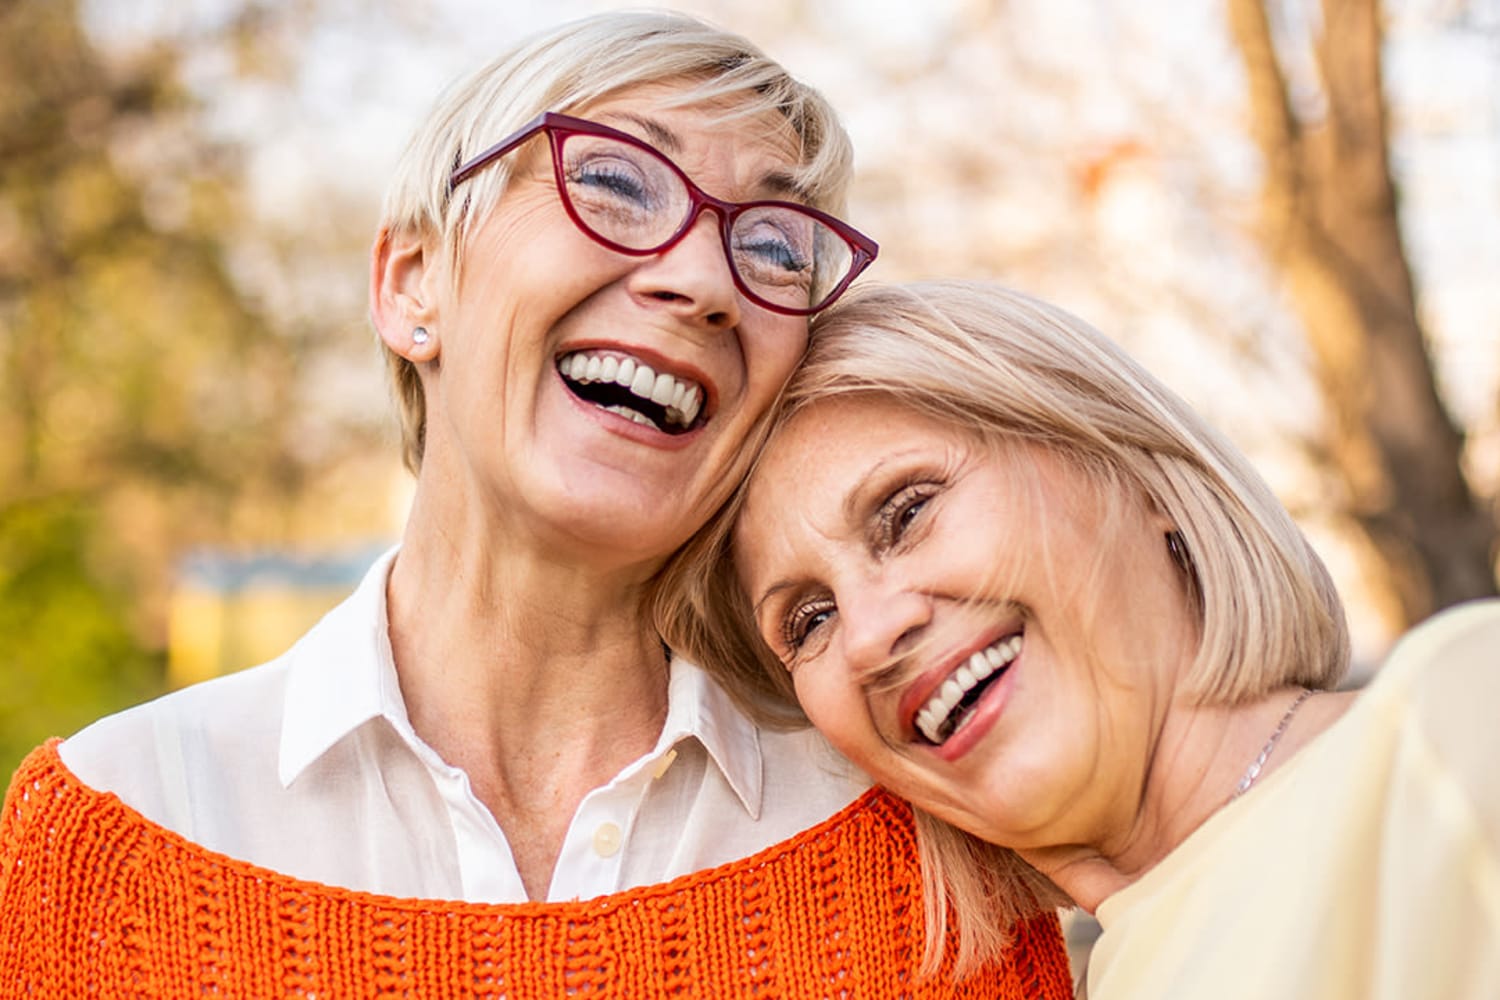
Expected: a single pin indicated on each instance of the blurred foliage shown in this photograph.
(150, 403)
(71, 653)
(145, 400)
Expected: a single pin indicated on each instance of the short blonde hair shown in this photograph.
(1009, 368)
(564, 69)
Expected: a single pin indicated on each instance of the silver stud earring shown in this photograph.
(420, 336)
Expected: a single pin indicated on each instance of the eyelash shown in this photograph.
(895, 514)
(796, 627)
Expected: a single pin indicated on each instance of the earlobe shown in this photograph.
(403, 305)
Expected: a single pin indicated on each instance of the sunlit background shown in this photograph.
(197, 451)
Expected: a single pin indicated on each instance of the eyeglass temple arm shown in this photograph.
(496, 151)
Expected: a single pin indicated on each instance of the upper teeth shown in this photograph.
(933, 716)
(682, 399)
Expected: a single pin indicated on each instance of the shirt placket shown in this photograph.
(486, 865)
(593, 852)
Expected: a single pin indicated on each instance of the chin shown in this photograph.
(613, 526)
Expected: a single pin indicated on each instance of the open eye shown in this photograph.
(901, 510)
(802, 622)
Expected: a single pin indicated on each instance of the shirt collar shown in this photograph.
(698, 707)
(342, 674)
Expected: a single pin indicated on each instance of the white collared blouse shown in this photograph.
(308, 765)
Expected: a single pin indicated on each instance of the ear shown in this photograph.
(404, 279)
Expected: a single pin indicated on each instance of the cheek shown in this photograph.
(840, 714)
(772, 350)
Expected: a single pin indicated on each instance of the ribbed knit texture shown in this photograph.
(96, 900)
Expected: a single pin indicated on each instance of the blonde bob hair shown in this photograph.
(563, 70)
(1011, 369)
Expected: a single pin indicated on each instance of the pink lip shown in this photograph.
(922, 689)
(985, 713)
(659, 363)
(627, 428)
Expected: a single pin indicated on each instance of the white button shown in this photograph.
(607, 840)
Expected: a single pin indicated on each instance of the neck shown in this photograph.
(1202, 755)
(536, 677)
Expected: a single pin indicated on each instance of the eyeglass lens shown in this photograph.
(635, 199)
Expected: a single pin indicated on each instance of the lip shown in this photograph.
(982, 718)
(926, 684)
(659, 363)
(983, 713)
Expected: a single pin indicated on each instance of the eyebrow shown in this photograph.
(855, 498)
(784, 185)
(771, 592)
(658, 134)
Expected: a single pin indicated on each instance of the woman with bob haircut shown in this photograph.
(485, 774)
(1019, 582)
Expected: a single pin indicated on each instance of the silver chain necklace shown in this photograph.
(1081, 988)
(1253, 771)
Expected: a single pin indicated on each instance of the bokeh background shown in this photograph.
(1290, 209)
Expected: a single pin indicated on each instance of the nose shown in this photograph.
(691, 278)
(880, 625)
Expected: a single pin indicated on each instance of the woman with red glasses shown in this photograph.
(485, 773)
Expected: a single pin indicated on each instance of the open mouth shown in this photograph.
(952, 705)
(623, 385)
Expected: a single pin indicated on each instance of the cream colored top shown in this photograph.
(1367, 867)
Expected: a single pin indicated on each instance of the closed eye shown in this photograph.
(612, 180)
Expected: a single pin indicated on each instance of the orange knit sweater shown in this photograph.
(97, 900)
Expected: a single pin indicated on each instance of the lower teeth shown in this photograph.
(964, 711)
(630, 414)
(963, 720)
(953, 724)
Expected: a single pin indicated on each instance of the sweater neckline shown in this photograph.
(44, 766)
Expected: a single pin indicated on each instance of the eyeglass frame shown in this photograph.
(559, 127)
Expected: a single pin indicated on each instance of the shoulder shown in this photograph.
(232, 725)
(802, 762)
(144, 753)
(250, 696)
(1463, 639)
(805, 779)
(1438, 690)
(1449, 663)
(787, 777)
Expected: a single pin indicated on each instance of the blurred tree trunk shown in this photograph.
(1329, 222)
